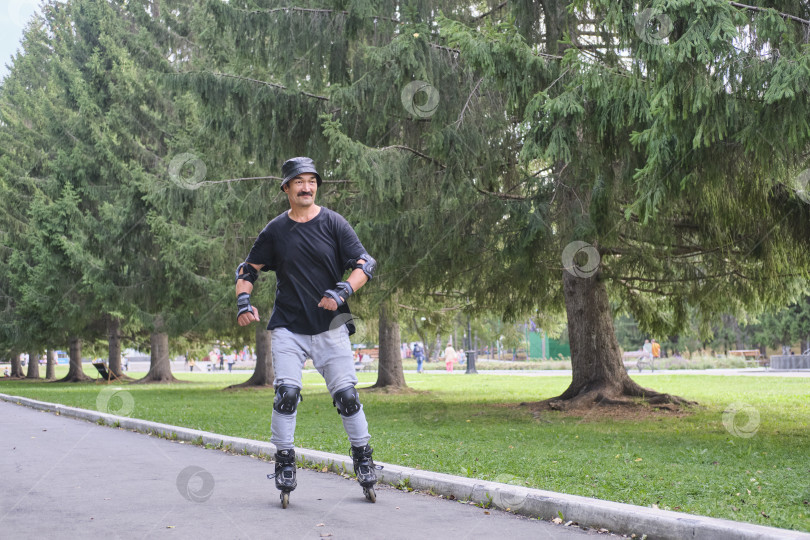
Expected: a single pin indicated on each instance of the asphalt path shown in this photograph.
(66, 478)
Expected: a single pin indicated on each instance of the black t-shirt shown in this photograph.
(308, 258)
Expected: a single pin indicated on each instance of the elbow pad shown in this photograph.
(247, 272)
(367, 267)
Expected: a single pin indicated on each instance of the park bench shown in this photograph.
(642, 360)
(363, 366)
(753, 356)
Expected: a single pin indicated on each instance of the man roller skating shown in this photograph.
(310, 248)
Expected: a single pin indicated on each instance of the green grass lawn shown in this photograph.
(473, 426)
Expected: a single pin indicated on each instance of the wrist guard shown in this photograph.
(340, 293)
(243, 304)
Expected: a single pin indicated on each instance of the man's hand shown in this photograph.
(334, 298)
(247, 313)
(327, 304)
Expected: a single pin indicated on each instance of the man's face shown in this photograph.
(301, 190)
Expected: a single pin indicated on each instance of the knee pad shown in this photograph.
(347, 401)
(287, 398)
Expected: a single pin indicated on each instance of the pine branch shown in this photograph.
(505, 196)
(461, 116)
(257, 81)
(418, 153)
(439, 310)
(687, 280)
(311, 10)
(491, 11)
(781, 14)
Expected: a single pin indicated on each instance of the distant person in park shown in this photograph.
(310, 248)
(449, 357)
(647, 348)
(231, 362)
(656, 350)
(460, 356)
(191, 364)
(419, 354)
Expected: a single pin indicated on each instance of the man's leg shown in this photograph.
(289, 355)
(332, 357)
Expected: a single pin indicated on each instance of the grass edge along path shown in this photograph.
(740, 455)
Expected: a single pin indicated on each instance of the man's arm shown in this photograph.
(356, 279)
(244, 286)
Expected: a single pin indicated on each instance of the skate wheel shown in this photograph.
(371, 495)
(285, 499)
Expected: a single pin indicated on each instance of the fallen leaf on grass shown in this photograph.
(765, 515)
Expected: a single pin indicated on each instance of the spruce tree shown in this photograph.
(591, 157)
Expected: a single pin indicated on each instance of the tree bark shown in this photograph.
(599, 376)
(114, 349)
(16, 366)
(389, 373)
(33, 365)
(264, 374)
(50, 367)
(160, 369)
(75, 371)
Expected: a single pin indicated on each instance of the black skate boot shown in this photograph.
(365, 470)
(285, 474)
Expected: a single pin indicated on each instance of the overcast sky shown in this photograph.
(14, 15)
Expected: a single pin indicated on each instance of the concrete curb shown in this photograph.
(536, 503)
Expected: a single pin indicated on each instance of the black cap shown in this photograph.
(295, 166)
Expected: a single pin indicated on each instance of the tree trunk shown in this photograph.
(114, 349)
(50, 367)
(75, 371)
(16, 365)
(389, 373)
(599, 376)
(160, 369)
(264, 374)
(33, 365)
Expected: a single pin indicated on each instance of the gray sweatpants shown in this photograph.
(331, 352)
